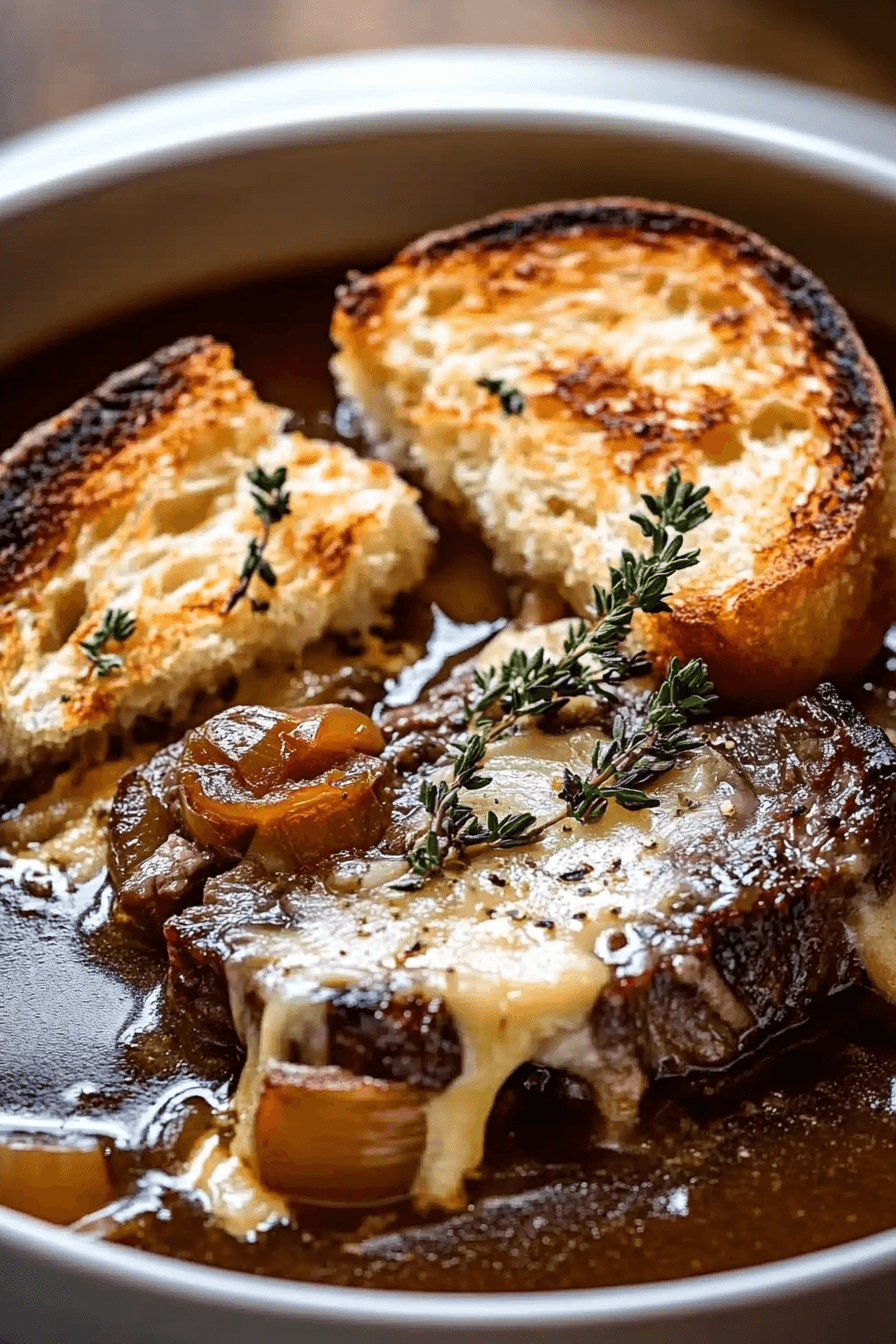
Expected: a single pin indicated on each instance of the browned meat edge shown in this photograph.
(782, 954)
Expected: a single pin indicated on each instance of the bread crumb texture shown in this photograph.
(137, 499)
(642, 336)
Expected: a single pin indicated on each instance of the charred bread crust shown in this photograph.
(138, 499)
(42, 474)
(857, 421)
(832, 332)
(837, 549)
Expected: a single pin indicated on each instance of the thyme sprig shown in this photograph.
(453, 826)
(592, 664)
(634, 757)
(512, 400)
(116, 624)
(271, 506)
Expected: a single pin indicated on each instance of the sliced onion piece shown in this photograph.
(287, 787)
(325, 1136)
(140, 823)
(59, 1181)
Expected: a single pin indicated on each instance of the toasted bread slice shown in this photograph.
(642, 336)
(136, 499)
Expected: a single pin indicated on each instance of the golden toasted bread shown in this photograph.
(136, 500)
(641, 336)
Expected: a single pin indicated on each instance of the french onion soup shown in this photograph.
(454, 848)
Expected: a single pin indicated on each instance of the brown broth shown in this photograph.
(806, 1160)
(798, 1157)
(278, 329)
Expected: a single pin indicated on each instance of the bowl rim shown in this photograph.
(420, 88)
(821, 132)
(181, 1281)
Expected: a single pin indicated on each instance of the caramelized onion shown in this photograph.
(325, 1136)
(285, 787)
(140, 822)
(60, 1181)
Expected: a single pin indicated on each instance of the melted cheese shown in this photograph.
(514, 942)
(237, 1201)
(502, 1024)
(874, 924)
(66, 827)
(292, 1016)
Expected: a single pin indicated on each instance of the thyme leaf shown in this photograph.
(453, 826)
(512, 400)
(632, 758)
(271, 506)
(116, 624)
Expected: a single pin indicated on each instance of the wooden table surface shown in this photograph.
(59, 56)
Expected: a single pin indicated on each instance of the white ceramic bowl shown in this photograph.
(343, 160)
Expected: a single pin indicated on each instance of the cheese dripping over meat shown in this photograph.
(514, 943)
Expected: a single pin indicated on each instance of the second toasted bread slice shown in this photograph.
(544, 367)
(137, 501)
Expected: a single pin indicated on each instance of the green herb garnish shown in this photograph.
(593, 664)
(271, 506)
(633, 758)
(117, 625)
(512, 400)
(593, 661)
(453, 826)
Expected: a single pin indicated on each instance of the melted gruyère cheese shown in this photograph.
(514, 942)
(67, 827)
(236, 1199)
(874, 924)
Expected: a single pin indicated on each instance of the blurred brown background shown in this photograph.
(60, 56)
